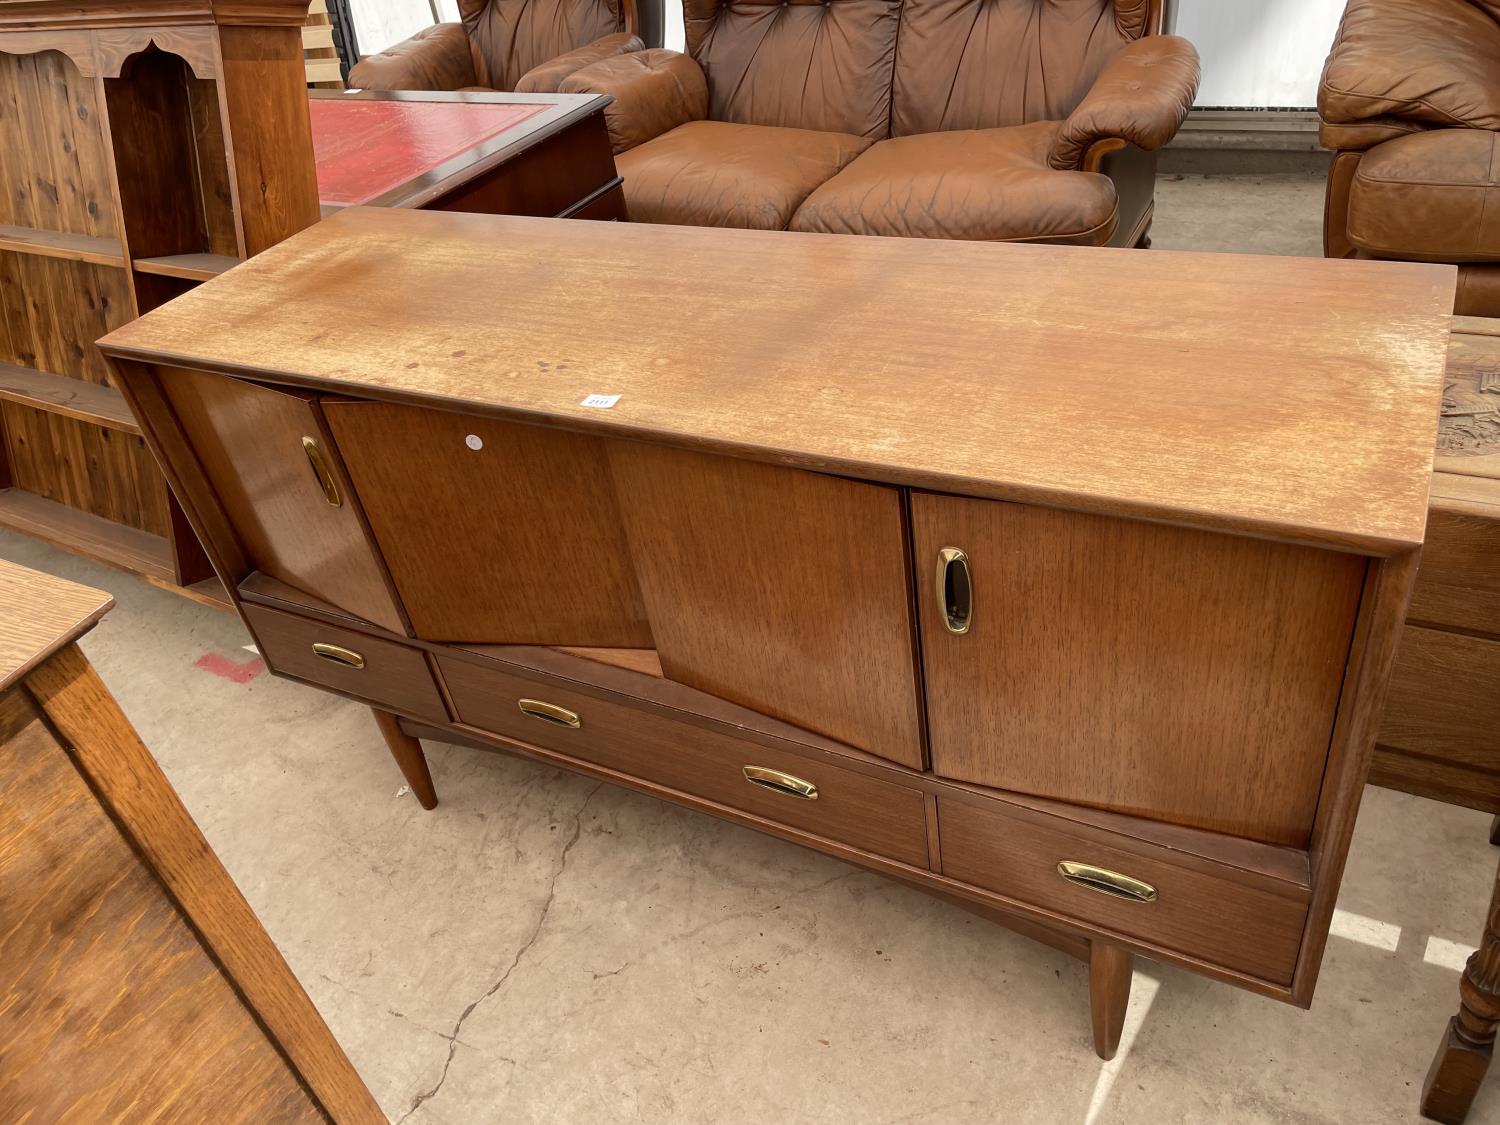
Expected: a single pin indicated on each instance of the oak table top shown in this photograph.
(1194, 389)
(39, 614)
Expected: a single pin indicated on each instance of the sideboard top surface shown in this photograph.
(39, 614)
(1292, 398)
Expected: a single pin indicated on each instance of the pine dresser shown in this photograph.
(1013, 572)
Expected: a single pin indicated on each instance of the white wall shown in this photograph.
(1259, 52)
(379, 23)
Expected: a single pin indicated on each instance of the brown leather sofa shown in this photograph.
(1410, 101)
(528, 46)
(1021, 120)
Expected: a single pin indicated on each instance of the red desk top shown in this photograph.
(366, 148)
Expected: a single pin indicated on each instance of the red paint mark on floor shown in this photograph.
(227, 669)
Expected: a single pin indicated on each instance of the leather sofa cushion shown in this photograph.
(1432, 196)
(990, 184)
(512, 37)
(716, 173)
(1436, 61)
(981, 64)
(806, 64)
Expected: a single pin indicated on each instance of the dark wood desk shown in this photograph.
(137, 982)
(505, 154)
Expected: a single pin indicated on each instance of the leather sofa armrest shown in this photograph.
(435, 58)
(654, 91)
(546, 78)
(1142, 96)
(1431, 63)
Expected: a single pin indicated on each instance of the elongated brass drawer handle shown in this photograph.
(1106, 882)
(339, 655)
(550, 712)
(326, 482)
(955, 592)
(779, 782)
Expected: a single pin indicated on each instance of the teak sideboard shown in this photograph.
(1003, 570)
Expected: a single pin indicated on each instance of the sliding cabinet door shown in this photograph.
(495, 532)
(779, 589)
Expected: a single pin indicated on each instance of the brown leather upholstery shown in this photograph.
(972, 86)
(1429, 197)
(525, 45)
(547, 77)
(722, 174)
(1143, 96)
(980, 64)
(987, 184)
(1410, 97)
(653, 91)
(436, 58)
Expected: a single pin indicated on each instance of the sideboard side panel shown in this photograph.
(778, 589)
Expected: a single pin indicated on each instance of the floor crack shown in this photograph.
(531, 939)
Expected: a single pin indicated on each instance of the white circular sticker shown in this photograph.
(474, 441)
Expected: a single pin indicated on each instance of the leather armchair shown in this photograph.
(526, 46)
(989, 124)
(1410, 101)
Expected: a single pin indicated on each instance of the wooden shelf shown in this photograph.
(91, 536)
(189, 267)
(72, 398)
(56, 244)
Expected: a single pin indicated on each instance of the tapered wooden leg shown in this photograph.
(1464, 1054)
(1495, 830)
(409, 756)
(1110, 970)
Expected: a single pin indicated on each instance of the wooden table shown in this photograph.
(506, 154)
(829, 557)
(135, 982)
(1440, 737)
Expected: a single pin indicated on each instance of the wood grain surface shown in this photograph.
(778, 589)
(130, 785)
(1256, 930)
(1159, 671)
(39, 614)
(248, 442)
(110, 1010)
(1191, 388)
(532, 547)
(865, 812)
(1440, 703)
(393, 674)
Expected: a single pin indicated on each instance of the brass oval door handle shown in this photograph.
(326, 482)
(955, 590)
(1107, 882)
(339, 655)
(550, 712)
(779, 782)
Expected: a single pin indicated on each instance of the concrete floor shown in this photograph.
(546, 949)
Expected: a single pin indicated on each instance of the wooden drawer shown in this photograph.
(1250, 922)
(391, 675)
(852, 808)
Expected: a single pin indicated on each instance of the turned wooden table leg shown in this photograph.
(409, 756)
(1110, 970)
(1464, 1054)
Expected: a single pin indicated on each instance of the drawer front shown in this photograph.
(383, 672)
(852, 808)
(1250, 929)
